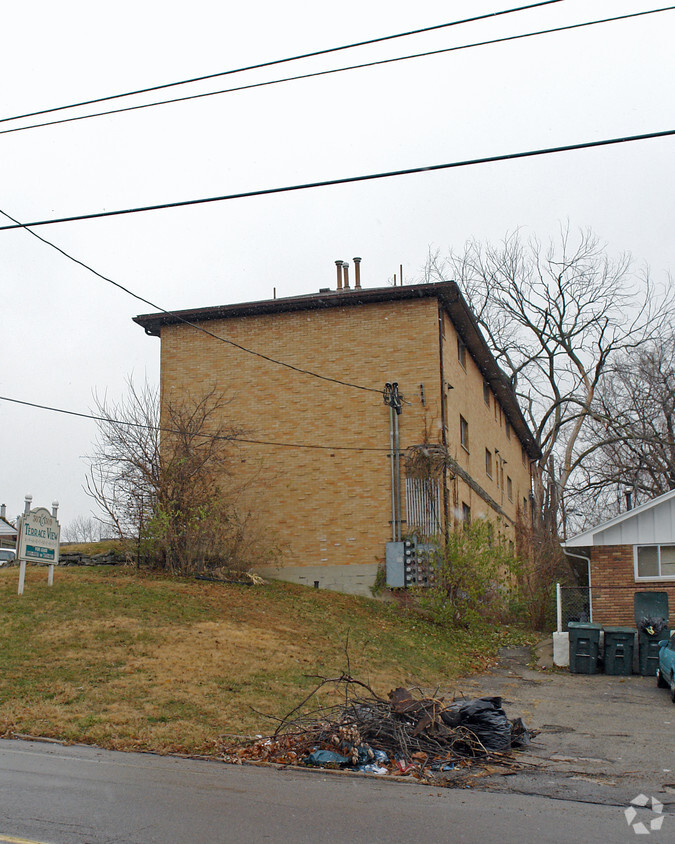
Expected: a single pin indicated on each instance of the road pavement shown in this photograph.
(82, 795)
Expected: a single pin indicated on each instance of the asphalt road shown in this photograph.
(82, 795)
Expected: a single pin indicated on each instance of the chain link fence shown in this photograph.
(574, 605)
(614, 605)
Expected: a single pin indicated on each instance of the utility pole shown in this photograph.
(394, 400)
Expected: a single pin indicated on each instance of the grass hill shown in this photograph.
(131, 660)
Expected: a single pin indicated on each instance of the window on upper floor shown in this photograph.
(523, 455)
(486, 394)
(488, 462)
(654, 561)
(464, 433)
(507, 428)
(509, 488)
(461, 353)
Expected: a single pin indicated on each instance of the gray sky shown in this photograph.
(66, 333)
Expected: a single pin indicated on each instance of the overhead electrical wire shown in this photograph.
(274, 62)
(489, 159)
(194, 325)
(328, 72)
(161, 429)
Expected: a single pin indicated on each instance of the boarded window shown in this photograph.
(423, 506)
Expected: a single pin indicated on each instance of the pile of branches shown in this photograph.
(407, 733)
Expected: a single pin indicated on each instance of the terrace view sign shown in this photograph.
(39, 535)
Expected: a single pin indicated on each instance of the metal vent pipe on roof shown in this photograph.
(338, 264)
(357, 273)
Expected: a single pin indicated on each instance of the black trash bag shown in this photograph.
(487, 721)
(520, 735)
(653, 625)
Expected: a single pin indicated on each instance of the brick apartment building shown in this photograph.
(331, 510)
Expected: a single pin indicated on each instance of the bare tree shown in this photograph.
(630, 443)
(82, 529)
(172, 486)
(556, 317)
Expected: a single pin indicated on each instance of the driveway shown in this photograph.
(602, 739)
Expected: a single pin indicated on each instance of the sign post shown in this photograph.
(38, 540)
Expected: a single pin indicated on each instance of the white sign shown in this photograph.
(39, 536)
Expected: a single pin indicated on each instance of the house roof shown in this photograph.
(649, 523)
(447, 293)
(6, 529)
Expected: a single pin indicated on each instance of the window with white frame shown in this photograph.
(654, 561)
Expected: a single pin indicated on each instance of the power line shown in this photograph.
(164, 430)
(274, 62)
(331, 71)
(491, 159)
(187, 322)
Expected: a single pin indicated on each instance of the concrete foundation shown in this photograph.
(350, 579)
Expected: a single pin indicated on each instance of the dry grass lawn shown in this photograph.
(131, 660)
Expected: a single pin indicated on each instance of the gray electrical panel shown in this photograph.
(395, 565)
(410, 563)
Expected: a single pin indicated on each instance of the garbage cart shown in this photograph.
(619, 650)
(651, 618)
(584, 647)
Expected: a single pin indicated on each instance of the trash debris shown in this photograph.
(653, 625)
(405, 735)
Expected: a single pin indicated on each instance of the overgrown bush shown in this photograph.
(475, 575)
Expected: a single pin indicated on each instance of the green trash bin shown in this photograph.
(648, 652)
(650, 606)
(584, 647)
(619, 650)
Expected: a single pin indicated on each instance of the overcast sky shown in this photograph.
(66, 333)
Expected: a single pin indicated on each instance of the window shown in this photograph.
(466, 514)
(655, 561)
(486, 394)
(509, 488)
(488, 462)
(507, 429)
(464, 433)
(461, 353)
(523, 456)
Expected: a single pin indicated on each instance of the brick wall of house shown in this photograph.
(330, 508)
(614, 586)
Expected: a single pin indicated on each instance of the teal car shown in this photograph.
(665, 673)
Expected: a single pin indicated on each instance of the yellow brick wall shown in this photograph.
(487, 430)
(332, 507)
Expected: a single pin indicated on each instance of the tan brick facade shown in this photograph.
(328, 509)
(613, 585)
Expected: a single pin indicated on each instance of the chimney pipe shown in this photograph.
(357, 273)
(345, 269)
(3, 511)
(338, 264)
